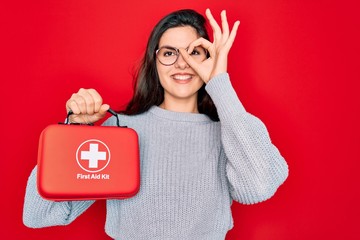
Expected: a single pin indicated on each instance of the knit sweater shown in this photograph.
(191, 170)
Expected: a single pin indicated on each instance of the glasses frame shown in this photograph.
(177, 53)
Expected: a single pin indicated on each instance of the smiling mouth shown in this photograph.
(182, 77)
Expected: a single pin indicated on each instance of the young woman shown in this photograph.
(199, 148)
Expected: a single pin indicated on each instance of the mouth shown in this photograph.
(182, 78)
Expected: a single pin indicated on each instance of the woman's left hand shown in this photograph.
(218, 49)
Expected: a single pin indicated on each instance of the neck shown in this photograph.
(180, 105)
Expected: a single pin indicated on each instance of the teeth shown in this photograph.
(182, 77)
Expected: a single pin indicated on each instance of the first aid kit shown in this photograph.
(82, 162)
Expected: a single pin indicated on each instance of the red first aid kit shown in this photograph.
(82, 162)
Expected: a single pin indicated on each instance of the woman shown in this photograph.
(199, 148)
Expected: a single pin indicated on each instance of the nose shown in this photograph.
(180, 62)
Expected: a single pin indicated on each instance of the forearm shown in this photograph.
(39, 212)
(255, 167)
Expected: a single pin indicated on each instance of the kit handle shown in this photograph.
(67, 121)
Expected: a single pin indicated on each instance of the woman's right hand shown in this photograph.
(87, 106)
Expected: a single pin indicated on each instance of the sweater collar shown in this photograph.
(179, 116)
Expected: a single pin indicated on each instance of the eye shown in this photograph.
(168, 53)
(198, 51)
(195, 52)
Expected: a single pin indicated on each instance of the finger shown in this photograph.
(79, 101)
(189, 60)
(214, 25)
(225, 26)
(232, 36)
(206, 44)
(71, 105)
(84, 119)
(96, 98)
(78, 104)
(89, 101)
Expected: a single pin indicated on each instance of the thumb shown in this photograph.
(96, 116)
(100, 114)
(103, 109)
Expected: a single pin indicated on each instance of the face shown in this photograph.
(179, 80)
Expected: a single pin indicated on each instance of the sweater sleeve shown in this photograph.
(39, 212)
(254, 166)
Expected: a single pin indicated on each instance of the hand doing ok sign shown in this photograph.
(218, 49)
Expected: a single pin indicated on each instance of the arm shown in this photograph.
(87, 107)
(39, 212)
(254, 167)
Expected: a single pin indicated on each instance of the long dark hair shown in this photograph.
(147, 89)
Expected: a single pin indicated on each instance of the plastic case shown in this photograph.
(80, 162)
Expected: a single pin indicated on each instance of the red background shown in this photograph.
(295, 64)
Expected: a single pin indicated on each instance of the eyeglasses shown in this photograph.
(169, 55)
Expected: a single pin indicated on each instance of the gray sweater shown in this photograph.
(191, 170)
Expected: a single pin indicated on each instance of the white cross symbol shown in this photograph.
(93, 155)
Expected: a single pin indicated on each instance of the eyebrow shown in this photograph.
(168, 46)
(187, 48)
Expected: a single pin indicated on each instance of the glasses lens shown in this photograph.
(167, 55)
(199, 54)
